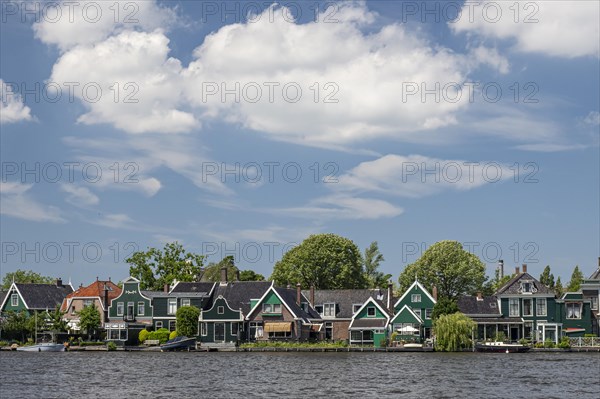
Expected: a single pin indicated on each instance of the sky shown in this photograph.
(240, 128)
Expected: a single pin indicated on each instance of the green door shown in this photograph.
(219, 332)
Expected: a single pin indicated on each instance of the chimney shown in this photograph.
(105, 302)
(479, 296)
(237, 275)
(312, 295)
(434, 292)
(80, 285)
(59, 282)
(501, 267)
(517, 271)
(390, 293)
(166, 288)
(298, 294)
(223, 275)
(524, 267)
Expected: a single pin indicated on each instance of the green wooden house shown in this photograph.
(128, 314)
(34, 297)
(575, 313)
(220, 323)
(591, 291)
(412, 313)
(369, 324)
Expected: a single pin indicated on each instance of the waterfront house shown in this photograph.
(283, 314)
(575, 314)
(35, 297)
(412, 313)
(485, 312)
(128, 314)
(590, 289)
(369, 324)
(337, 307)
(100, 293)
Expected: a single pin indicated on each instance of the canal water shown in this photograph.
(296, 375)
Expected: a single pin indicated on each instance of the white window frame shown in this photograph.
(530, 300)
(579, 313)
(594, 304)
(170, 302)
(417, 311)
(538, 302)
(428, 313)
(415, 298)
(174, 324)
(356, 307)
(220, 309)
(159, 324)
(329, 309)
(203, 329)
(272, 308)
(185, 302)
(237, 328)
(120, 308)
(14, 300)
(512, 301)
(374, 311)
(141, 308)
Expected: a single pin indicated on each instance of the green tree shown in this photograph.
(547, 278)
(15, 325)
(447, 266)
(89, 320)
(56, 321)
(372, 260)
(490, 287)
(326, 261)
(444, 306)
(251, 275)
(453, 332)
(212, 272)
(187, 321)
(576, 280)
(155, 268)
(558, 287)
(24, 276)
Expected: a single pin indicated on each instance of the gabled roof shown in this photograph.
(415, 284)
(182, 286)
(41, 296)
(288, 299)
(162, 294)
(346, 299)
(407, 310)
(512, 287)
(239, 293)
(371, 322)
(595, 275)
(94, 290)
(471, 306)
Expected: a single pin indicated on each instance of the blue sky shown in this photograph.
(240, 128)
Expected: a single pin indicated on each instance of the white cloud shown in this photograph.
(557, 28)
(346, 207)
(116, 221)
(80, 195)
(17, 202)
(593, 118)
(550, 147)
(12, 108)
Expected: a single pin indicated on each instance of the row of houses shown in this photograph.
(233, 311)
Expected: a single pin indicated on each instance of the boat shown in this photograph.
(182, 342)
(43, 347)
(500, 347)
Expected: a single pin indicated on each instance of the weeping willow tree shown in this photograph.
(453, 332)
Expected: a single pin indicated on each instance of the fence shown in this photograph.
(585, 342)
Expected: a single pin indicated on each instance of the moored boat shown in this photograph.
(500, 347)
(43, 347)
(182, 342)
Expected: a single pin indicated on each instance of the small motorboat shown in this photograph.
(182, 342)
(500, 347)
(43, 347)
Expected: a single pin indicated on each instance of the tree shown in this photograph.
(547, 278)
(55, 320)
(187, 321)
(15, 325)
(213, 270)
(155, 268)
(326, 261)
(89, 320)
(444, 306)
(24, 276)
(453, 332)
(558, 287)
(447, 266)
(372, 260)
(251, 275)
(576, 280)
(490, 287)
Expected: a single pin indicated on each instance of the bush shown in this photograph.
(539, 344)
(549, 344)
(590, 336)
(143, 335)
(173, 334)
(111, 346)
(162, 334)
(564, 343)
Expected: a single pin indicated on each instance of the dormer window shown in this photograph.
(272, 308)
(329, 310)
(371, 311)
(14, 300)
(356, 307)
(527, 287)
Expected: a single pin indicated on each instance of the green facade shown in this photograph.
(364, 313)
(364, 335)
(220, 323)
(422, 307)
(130, 297)
(8, 306)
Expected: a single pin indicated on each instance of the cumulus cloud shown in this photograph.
(12, 108)
(17, 202)
(79, 195)
(566, 29)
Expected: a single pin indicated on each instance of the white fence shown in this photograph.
(585, 342)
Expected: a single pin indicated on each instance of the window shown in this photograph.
(130, 310)
(541, 307)
(141, 309)
(329, 310)
(234, 329)
(203, 329)
(513, 307)
(220, 309)
(371, 311)
(415, 298)
(527, 307)
(120, 308)
(417, 312)
(256, 330)
(185, 302)
(280, 334)
(73, 309)
(172, 325)
(88, 302)
(356, 307)
(574, 310)
(527, 287)
(319, 309)
(14, 300)
(304, 306)
(594, 302)
(159, 324)
(272, 308)
(172, 306)
(428, 313)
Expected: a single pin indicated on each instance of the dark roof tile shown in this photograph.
(42, 296)
(471, 306)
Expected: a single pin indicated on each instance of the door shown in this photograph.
(219, 332)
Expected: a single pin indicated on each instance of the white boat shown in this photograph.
(43, 347)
